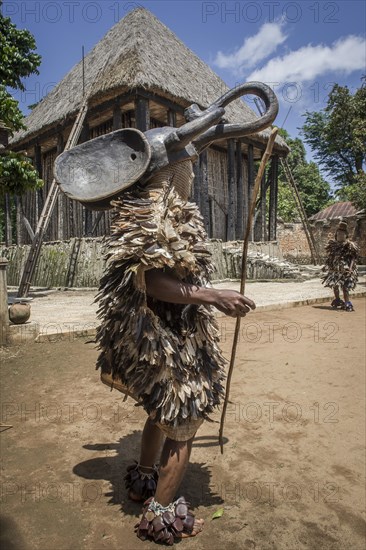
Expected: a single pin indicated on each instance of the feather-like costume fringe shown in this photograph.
(339, 258)
(166, 354)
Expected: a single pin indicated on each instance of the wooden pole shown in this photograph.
(171, 118)
(117, 117)
(245, 197)
(38, 194)
(204, 203)
(275, 177)
(61, 200)
(142, 113)
(230, 231)
(18, 222)
(248, 230)
(4, 313)
(197, 183)
(239, 229)
(263, 209)
(250, 180)
(272, 203)
(8, 231)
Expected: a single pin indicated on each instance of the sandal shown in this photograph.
(166, 523)
(337, 302)
(348, 306)
(141, 483)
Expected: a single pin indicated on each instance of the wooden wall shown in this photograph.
(79, 262)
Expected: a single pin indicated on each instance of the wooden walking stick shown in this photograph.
(257, 182)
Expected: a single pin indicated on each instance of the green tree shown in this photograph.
(17, 61)
(314, 190)
(337, 136)
(356, 192)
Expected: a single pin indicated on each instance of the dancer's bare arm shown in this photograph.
(167, 288)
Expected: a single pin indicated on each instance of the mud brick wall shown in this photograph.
(293, 243)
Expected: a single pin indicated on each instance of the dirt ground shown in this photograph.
(292, 472)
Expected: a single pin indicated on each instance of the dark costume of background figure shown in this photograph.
(340, 256)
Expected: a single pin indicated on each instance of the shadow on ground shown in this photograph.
(113, 469)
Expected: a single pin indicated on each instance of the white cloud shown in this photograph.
(254, 49)
(309, 62)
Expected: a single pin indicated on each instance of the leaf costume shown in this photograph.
(164, 355)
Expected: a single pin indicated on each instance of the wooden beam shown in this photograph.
(204, 203)
(197, 183)
(250, 182)
(52, 131)
(18, 222)
(88, 222)
(4, 314)
(160, 100)
(171, 118)
(121, 100)
(245, 195)
(8, 231)
(83, 216)
(85, 132)
(142, 113)
(117, 117)
(61, 199)
(232, 208)
(4, 136)
(239, 226)
(275, 159)
(38, 195)
(262, 146)
(272, 203)
(263, 209)
(38, 159)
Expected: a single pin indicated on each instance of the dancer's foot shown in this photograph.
(197, 528)
(167, 523)
(337, 302)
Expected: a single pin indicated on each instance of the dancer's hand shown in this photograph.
(232, 303)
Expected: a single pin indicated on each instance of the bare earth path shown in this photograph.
(292, 473)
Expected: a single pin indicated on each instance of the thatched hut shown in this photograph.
(141, 75)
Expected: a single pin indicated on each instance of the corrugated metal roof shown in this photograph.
(337, 210)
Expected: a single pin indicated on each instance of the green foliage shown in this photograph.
(356, 192)
(337, 135)
(17, 174)
(16, 55)
(17, 61)
(314, 190)
(10, 112)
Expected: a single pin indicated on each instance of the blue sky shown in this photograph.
(300, 48)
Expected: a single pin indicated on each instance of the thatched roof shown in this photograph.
(138, 52)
